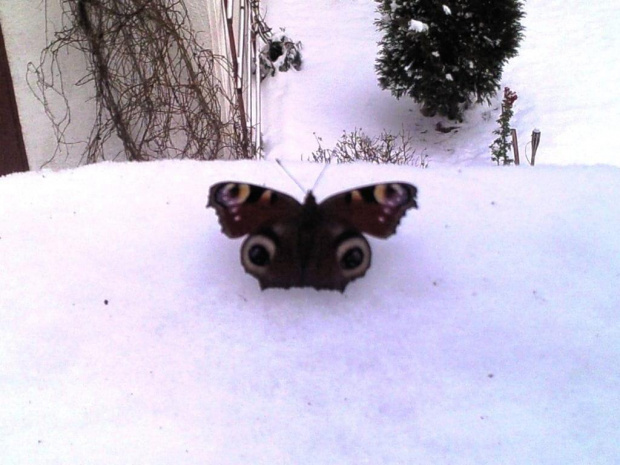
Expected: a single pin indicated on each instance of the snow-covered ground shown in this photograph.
(566, 78)
(486, 330)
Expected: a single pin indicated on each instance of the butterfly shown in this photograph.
(291, 244)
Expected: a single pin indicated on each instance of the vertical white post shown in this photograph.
(241, 51)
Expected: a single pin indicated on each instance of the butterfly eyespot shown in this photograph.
(232, 194)
(353, 256)
(390, 194)
(257, 253)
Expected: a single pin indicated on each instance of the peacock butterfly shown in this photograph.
(318, 245)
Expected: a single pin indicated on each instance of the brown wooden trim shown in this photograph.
(12, 150)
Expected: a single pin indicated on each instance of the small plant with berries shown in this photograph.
(502, 145)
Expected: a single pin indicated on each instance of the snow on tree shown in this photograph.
(446, 54)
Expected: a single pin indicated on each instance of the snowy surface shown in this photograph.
(566, 76)
(417, 26)
(485, 332)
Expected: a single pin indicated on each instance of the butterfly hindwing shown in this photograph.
(375, 209)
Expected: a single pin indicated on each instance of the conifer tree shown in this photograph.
(446, 54)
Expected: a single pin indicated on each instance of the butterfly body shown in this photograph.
(290, 244)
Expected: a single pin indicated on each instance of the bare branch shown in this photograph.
(156, 88)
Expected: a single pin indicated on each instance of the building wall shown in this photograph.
(29, 26)
(12, 152)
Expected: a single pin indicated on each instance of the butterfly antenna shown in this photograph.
(279, 162)
(316, 183)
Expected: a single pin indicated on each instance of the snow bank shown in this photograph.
(486, 330)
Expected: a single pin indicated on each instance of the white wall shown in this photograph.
(23, 24)
(28, 27)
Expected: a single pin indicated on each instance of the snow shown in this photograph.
(565, 75)
(417, 26)
(486, 330)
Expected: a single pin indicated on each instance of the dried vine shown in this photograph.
(156, 88)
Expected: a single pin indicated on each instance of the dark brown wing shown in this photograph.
(326, 255)
(274, 257)
(243, 208)
(375, 209)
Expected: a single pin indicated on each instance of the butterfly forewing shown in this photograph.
(243, 208)
(375, 209)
